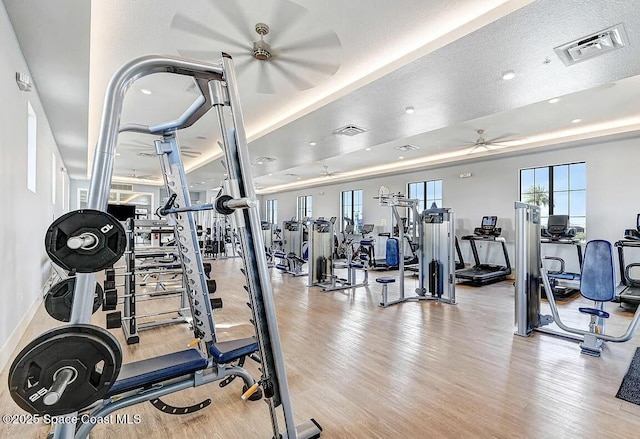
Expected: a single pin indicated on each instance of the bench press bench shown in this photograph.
(149, 379)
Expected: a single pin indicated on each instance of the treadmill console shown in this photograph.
(488, 227)
(632, 234)
(558, 228)
(366, 229)
(292, 226)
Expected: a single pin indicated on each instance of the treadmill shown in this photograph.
(629, 288)
(563, 284)
(482, 274)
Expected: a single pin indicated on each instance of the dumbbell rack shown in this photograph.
(130, 324)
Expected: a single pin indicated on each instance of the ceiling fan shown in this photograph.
(185, 150)
(328, 174)
(264, 50)
(135, 175)
(482, 143)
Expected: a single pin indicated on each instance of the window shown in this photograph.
(351, 209)
(272, 211)
(304, 207)
(54, 172)
(427, 192)
(32, 124)
(558, 190)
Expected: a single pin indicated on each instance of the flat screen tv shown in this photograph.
(122, 212)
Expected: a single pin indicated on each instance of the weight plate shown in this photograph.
(92, 352)
(59, 299)
(110, 245)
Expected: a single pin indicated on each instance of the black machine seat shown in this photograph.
(594, 312)
(143, 373)
(228, 351)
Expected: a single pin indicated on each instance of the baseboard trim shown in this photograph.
(12, 342)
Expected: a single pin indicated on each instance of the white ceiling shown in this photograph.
(445, 58)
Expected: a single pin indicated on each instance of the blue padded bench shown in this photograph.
(228, 351)
(154, 370)
(385, 281)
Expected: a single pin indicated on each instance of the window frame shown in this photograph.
(352, 209)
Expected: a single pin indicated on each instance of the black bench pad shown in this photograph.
(154, 370)
(226, 351)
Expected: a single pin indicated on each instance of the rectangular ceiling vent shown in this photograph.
(148, 154)
(265, 159)
(405, 148)
(592, 45)
(122, 187)
(350, 130)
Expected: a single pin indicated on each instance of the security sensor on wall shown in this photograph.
(24, 81)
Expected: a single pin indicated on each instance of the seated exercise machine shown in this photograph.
(482, 274)
(321, 259)
(294, 252)
(597, 284)
(396, 242)
(436, 261)
(563, 283)
(629, 287)
(78, 367)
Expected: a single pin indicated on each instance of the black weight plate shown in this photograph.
(110, 247)
(59, 299)
(92, 351)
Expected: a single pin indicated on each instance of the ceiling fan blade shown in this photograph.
(286, 15)
(502, 137)
(326, 68)
(298, 82)
(190, 26)
(265, 84)
(241, 67)
(236, 16)
(200, 54)
(322, 41)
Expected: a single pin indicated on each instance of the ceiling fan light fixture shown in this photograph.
(554, 100)
(409, 110)
(312, 143)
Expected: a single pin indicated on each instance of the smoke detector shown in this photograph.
(593, 45)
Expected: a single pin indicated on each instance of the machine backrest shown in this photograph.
(598, 281)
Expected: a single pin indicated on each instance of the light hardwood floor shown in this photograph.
(416, 370)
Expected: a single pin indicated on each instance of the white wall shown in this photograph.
(84, 184)
(24, 266)
(612, 201)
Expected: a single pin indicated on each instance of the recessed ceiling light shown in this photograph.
(202, 182)
(312, 143)
(409, 110)
(270, 174)
(145, 91)
(299, 178)
(576, 121)
(117, 153)
(509, 74)
(367, 149)
(554, 100)
(400, 157)
(190, 185)
(260, 163)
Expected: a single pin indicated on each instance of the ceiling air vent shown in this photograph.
(405, 148)
(291, 175)
(148, 154)
(592, 45)
(350, 130)
(122, 187)
(265, 159)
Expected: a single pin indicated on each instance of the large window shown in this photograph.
(32, 124)
(351, 209)
(304, 207)
(428, 192)
(272, 211)
(558, 190)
